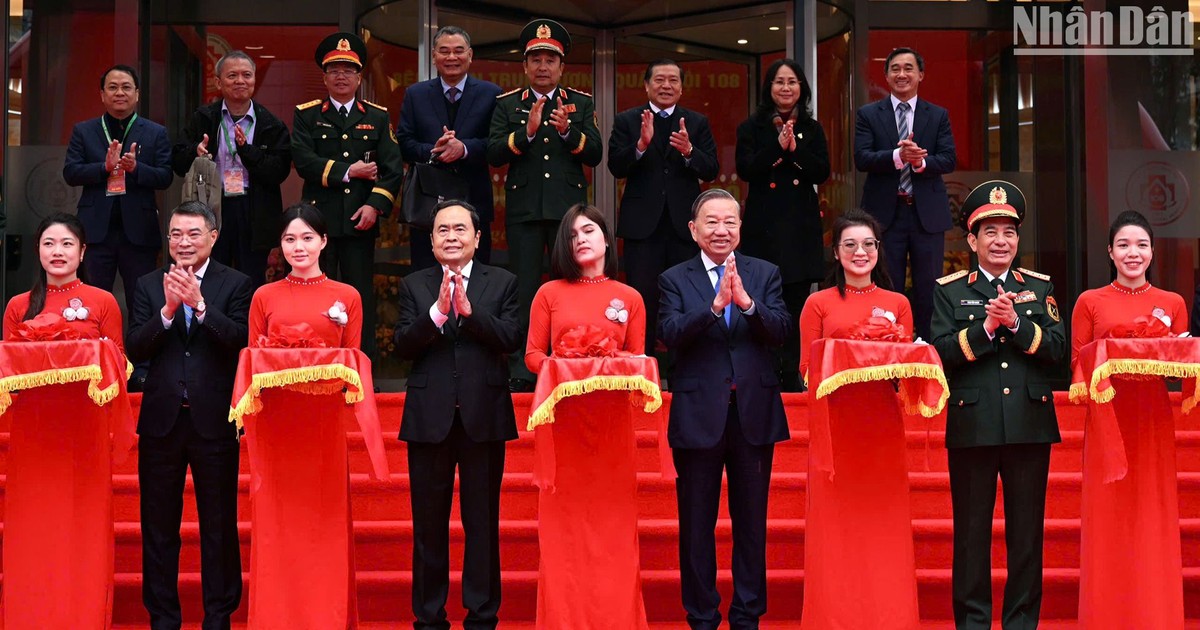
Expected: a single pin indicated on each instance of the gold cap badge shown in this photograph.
(998, 196)
(543, 32)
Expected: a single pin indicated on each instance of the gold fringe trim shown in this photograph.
(889, 372)
(512, 143)
(305, 379)
(1037, 340)
(544, 414)
(582, 141)
(1143, 367)
(59, 376)
(1078, 393)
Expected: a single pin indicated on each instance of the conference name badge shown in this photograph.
(116, 182)
(233, 181)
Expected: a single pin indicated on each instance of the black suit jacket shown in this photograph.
(84, 166)
(268, 160)
(422, 116)
(465, 364)
(875, 137)
(782, 220)
(661, 178)
(204, 360)
(712, 357)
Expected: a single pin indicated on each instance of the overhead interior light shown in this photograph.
(773, 28)
(266, 56)
(254, 47)
(743, 41)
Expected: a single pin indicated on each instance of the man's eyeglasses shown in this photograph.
(868, 246)
(342, 73)
(190, 237)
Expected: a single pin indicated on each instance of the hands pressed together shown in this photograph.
(453, 290)
(731, 290)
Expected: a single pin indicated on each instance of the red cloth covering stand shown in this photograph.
(1131, 570)
(294, 404)
(71, 422)
(859, 567)
(582, 416)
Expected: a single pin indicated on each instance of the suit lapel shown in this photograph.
(467, 101)
(983, 287)
(921, 123)
(437, 103)
(887, 119)
(356, 115)
(703, 284)
(210, 288)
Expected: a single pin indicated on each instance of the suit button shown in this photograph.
(345, 154)
(1043, 399)
(960, 403)
(1029, 312)
(187, 354)
(971, 317)
(522, 122)
(323, 136)
(1007, 391)
(546, 140)
(667, 171)
(365, 138)
(456, 374)
(1003, 339)
(795, 182)
(547, 175)
(1004, 365)
(545, 123)
(728, 380)
(345, 137)
(347, 191)
(545, 157)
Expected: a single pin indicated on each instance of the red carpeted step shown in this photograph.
(385, 595)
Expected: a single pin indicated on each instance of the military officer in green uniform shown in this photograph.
(344, 149)
(1000, 336)
(546, 134)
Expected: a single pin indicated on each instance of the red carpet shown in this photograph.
(383, 529)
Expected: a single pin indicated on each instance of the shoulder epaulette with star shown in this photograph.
(952, 277)
(309, 104)
(375, 105)
(508, 93)
(579, 92)
(1034, 274)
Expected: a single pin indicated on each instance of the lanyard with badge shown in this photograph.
(233, 175)
(116, 179)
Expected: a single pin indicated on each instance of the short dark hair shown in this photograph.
(853, 218)
(904, 50)
(709, 195)
(458, 203)
(198, 209)
(661, 62)
(307, 213)
(450, 29)
(766, 104)
(121, 68)
(562, 260)
(1129, 217)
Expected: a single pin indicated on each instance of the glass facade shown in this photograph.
(1084, 136)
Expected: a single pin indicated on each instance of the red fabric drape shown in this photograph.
(58, 526)
(295, 413)
(1130, 504)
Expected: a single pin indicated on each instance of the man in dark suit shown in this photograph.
(346, 153)
(447, 118)
(722, 314)
(189, 324)
(120, 159)
(458, 321)
(1000, 336)
(546, 134)
(662, 151)
(253, 152)
(904, 145)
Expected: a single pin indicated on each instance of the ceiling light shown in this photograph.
(773, 28)
(743, 41)
(254, 47)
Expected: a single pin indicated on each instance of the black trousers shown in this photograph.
(698, 490)
(235, 243)
(431, 474)
(1023, 469)
(420, 247)
(351, 259)
(162, 468)
(527, 242)
(117, 254)
(903, 241)
(645, 260)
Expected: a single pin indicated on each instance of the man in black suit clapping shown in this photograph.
(663, 152)
(189, 324)
(458, 323)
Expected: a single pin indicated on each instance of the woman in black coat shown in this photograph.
(782, 155)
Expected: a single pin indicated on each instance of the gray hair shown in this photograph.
(197, 209)
(230, 56)
(451, 30)
(709, 195)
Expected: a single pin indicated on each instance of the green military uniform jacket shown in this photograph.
(1000, 389)
(324, 145)
(545, 177)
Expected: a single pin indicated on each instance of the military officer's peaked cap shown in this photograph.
(545, 35)
(995, 198)
(341, 47)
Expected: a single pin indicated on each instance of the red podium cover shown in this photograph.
(294, 404)
(582, 416)
(71, 422)
(840, 362)
(1130, 490)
